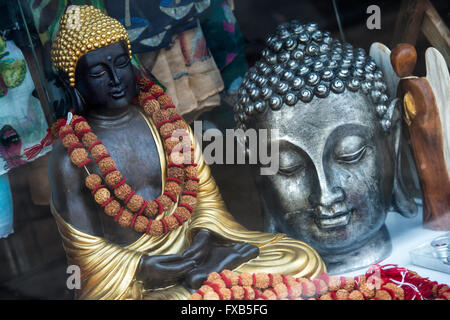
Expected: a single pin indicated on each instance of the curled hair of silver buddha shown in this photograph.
(300, 62)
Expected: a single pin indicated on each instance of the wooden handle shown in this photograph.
(403, 59)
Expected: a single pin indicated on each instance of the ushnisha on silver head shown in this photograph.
(300, 62)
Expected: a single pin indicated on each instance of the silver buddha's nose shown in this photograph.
(327, 197)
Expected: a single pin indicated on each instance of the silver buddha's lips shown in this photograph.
(340, 219)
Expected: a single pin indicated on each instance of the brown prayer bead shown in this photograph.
(113, 178)
(69, 139)
(135, 203)
(183, 213)
(93, 180)
(78, 156)
(171, 143)
(89, 138)
(172, 187)
(189, 200)
(65, 128)
(155, 89)
(172, 223)
(156, 228)
(98, 150)
(151, 106)
(106, 164)
(342, 294)
(160, 115)
(175, 172)
(166, 129)
(191, 171)
(112, 208)
(191, 186)
(125, 218)
(179, 125)
(151, 209)
(173, 112)
(140, 224)
(166, 202)
(164, 99)
(81, 126)
(122, 192)
(281, 290)
(101, 195)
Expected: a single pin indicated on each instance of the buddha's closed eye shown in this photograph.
(352, 157)
(97, 72)
(291, 167)
(122, 61)
(350, 149)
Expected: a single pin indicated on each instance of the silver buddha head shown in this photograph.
(338, 137)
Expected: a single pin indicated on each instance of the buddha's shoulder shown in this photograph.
(59, 159)
(68, 198)
(61, 171)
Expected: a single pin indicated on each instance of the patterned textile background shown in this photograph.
(46, 15)
(151, 24)
(22, 121)
(189, 73)
(226, 43)
(160, 24)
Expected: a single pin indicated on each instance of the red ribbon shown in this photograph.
(147, 230)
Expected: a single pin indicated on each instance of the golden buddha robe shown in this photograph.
(108, 270)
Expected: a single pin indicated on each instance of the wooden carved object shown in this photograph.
(426, 113)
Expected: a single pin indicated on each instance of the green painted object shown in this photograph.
(13, 73)
(2, 45)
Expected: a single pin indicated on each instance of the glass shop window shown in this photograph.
(31, 254)
(32, 96)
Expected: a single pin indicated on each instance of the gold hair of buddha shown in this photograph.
(83, 29)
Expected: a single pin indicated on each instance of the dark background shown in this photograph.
(32, 259)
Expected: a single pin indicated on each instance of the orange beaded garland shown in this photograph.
(228, 285)
(136, 209)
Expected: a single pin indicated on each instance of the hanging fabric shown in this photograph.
(152, 24)
(22, 121)
(6, 213)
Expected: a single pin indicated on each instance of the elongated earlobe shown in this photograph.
(79, 105)
(402, 200)
(77, 101)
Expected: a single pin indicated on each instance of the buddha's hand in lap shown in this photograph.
(211, 256)
(163, 270)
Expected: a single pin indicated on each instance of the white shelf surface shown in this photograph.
(406, 235)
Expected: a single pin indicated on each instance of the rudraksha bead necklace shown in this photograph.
(181, 181)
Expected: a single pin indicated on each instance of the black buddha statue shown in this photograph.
(117, 262)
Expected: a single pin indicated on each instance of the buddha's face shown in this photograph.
(105, 78)
(336, 172)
